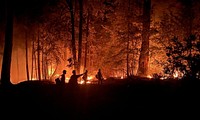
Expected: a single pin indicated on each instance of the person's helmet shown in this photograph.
(74, 71)
(64, 71)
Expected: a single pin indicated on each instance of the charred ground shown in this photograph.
(126, 99)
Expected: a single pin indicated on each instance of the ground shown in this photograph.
(115, 99)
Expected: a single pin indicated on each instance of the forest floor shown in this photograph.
(114, 99)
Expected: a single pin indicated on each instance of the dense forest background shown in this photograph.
(52, 35)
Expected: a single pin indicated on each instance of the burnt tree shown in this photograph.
(73, 42)
(80, 34)
(144, 53)
(6, 65)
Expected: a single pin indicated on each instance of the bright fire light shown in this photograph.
(34, 79)
(88, 82)
(149, 76)
(51, 71)
(175, 74)
(81, 82)
(178, 74)
(163, 78)
(67, 79)
(57, 75)
(89, 79)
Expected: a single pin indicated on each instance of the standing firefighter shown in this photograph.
(85, 77)
(99, 77)
(74, 78)
(61, 81)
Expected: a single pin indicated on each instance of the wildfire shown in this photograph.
(51, 71)
(67, 79)
(149, 76)
(89, 79)
(178, 74)
(81, 82)
(175, 75)
(34, 79)
(163, 78)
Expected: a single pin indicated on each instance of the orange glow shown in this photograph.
(149, 76)
(90, 77)
(163, 78)
(67, 79)
(34, 79)
(51, 71)
(89, 80)
(57, 75)
(175, 74)
(178, 74)
(81, 82)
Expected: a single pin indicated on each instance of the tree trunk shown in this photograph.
(46, 67)
(36, 70)
(27, 69)
(144, 53)
(6, 65)
(80, 35)
(127, 47)
(17, 58)
(38, 54)
(86, 41)
(32, 59)
(73, 44)
(54, 73)
(43, 67)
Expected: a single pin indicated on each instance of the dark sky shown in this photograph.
(35, 6)
(25, 7)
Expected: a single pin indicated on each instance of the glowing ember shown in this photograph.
(34, 79)
(178, 74)
(81, 82)
(90, 77)
(57, 75)
(67, 79)
(51, 71)
(89, 80)
(163, 78)
(175, 74)
(149, 76)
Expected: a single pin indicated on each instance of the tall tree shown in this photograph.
(5, 73)
(86, 41)
(27, 68)
(80, 34)
(128, 26)
(38, 53)
(144, 54)
(73, 42)
(32, 57)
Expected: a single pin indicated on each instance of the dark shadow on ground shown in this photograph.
(115, 99)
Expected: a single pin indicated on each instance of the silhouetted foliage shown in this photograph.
(184, 56)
